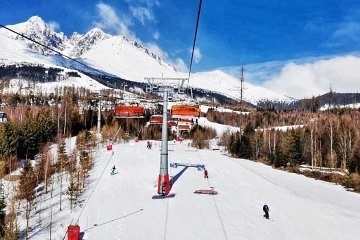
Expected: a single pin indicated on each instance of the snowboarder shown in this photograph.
(113, 170)
(266, 211)
(206, 174)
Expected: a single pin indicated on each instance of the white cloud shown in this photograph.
(347, 33)
(110, 22)
(197, 55)
(142, 14)
(312, 79)
(142, 10)
(148, 3)
(54, 26)
(178, 63)
(156, 35)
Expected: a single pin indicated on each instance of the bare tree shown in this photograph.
(257, 142)
(27, 191)
(345, 141)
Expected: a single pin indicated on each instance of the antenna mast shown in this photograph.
(241, 86)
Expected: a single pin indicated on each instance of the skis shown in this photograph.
(171, 195)
(206, 191)
(268, 218)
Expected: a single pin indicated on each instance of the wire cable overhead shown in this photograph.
(51, 49)
(195, 35)
(193, 47)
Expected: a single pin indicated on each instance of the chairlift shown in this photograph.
(184, 128)
(185, 111)
(156, 119)
(129, 111)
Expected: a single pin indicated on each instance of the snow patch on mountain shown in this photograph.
(115, 55)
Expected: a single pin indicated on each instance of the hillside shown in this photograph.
(121, 206)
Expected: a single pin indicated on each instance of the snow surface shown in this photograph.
(120, 206)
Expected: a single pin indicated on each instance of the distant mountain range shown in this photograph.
(117, 59)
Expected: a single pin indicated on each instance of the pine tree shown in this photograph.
(354, 165)
(26, 191)
(245, 148)
(72, 192)
(29, 136)
(294, 148)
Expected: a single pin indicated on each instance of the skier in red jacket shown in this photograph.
(206, 174)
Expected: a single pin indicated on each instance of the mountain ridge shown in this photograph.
(117, 56)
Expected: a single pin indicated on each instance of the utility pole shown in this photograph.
(331, 95)
(241, 95)
(241, 86)
(100, 97)
(99, 116)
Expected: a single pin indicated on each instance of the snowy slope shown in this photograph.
(121, 206)
(223, 83)
(121, 57)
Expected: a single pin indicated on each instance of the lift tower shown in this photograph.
(164, 181)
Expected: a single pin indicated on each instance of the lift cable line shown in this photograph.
(196, 29)
(49, 48)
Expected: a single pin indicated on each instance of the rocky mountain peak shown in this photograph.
(82, 43)
(36, 23)
(37, 29)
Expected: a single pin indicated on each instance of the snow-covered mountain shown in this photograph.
(115, 55)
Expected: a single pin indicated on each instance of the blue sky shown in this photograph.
(231, 32)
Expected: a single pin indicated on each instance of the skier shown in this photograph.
(113, 170)
(266, 211)
(206, 173)
(149, 144)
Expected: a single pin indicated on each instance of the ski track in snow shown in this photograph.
(121, 206)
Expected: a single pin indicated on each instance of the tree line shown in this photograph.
(329, 139)
(322, 139)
